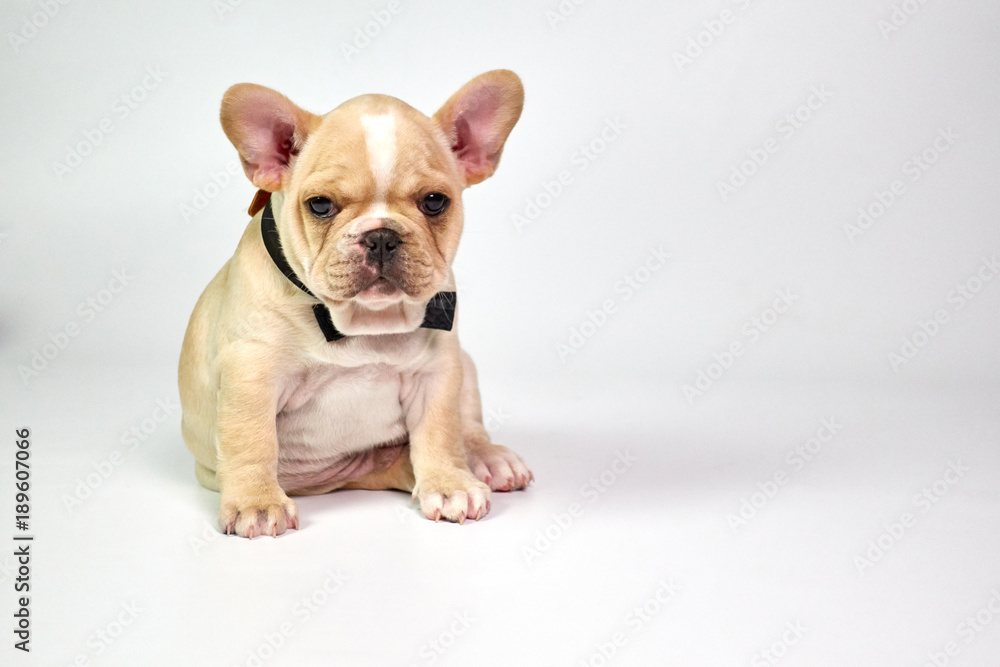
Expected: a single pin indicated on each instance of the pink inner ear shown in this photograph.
(283, 139)
(467, 150)
(474, 142)
(270, 144)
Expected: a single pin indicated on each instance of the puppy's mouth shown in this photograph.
(377, 284)
(379, 289)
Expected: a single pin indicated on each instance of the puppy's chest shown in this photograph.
(331, 412)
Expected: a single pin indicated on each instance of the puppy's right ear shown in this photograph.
(267, 129)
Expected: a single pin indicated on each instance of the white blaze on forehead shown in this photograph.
(380, 137)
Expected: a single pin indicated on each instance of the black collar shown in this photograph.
(440, 313)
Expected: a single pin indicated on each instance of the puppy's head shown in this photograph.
(368, 197)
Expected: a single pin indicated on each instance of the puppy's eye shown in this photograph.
(434, 204)
(321, 207)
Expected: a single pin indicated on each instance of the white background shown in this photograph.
(142, 534)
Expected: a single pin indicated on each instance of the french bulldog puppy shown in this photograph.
(324, 353)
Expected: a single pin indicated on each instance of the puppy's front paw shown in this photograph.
(499, 467)
(270, 512)
(453, 496)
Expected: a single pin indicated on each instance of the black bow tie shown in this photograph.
(440, 312)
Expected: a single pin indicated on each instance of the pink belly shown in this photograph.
(312, 476)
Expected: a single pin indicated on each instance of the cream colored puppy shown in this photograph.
(324, 354)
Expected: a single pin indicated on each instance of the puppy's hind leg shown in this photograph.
(397, 475)
(206, 477)
(494, 465)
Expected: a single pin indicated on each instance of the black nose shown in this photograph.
(381, 243)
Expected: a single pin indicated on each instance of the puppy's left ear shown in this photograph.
(477, 119)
